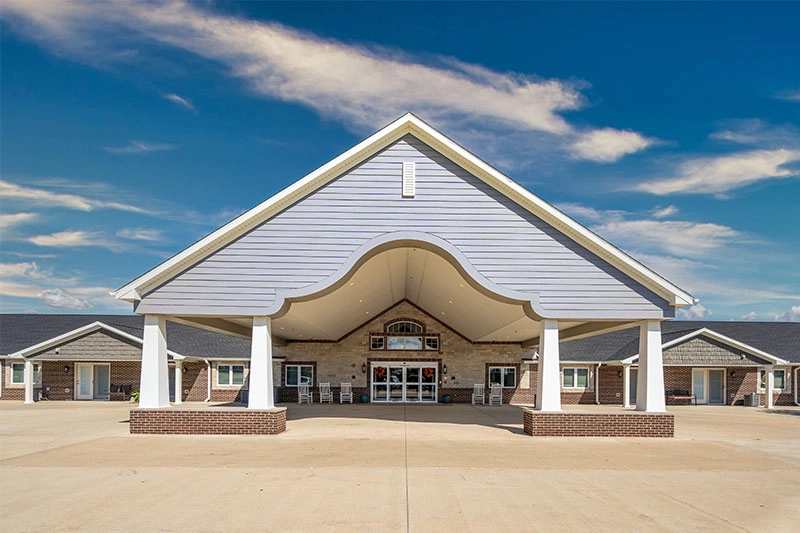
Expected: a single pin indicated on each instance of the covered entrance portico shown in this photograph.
(318, 276)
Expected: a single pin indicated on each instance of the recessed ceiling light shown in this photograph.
(283, 327)
(366, 312)
(450, 301)
(352, 283)
(361, 301)
(461, 285)
(443, 313)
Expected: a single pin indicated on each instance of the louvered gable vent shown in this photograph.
(409, 178)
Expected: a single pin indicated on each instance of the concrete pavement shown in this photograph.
(73, 466)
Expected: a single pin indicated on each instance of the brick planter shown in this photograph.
(629, 424)
(212, 421)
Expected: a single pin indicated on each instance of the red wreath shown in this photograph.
(379, 372)
(427, 373)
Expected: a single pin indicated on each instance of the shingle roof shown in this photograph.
(18, 332)
(780, 339)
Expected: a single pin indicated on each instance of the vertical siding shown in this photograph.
(307, 242)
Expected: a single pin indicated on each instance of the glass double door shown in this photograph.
(404, 382)
(92, 381)
(708, 386)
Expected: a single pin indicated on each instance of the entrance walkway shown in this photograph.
(73, 466)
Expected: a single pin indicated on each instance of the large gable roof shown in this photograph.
(407, 124)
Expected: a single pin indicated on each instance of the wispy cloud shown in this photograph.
(42, 197)
(141, 234)
(139, 147)
(363, 86)
(792, 95)
(607, 145)
(76, 239)
(749, 317)
(181, 101)
(61, 299)
(664, 212)
(718, 175)
(10, 220)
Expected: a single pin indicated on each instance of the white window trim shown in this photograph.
(787, 387)
(19, 384)
(230, 376)
(516, 381)
(575, 378)
(298, 366)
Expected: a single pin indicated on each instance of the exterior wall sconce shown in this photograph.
(364, 368)
(66, 368)
(185, 369)
(733, 373)
(619, 373)
(444, 369)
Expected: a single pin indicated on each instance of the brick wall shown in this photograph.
(212, 421)
(598, 424)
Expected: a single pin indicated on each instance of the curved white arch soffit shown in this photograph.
(407, 239)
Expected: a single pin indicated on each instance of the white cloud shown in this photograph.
(681, 238)
(61, 299)
(364, 86)
(140, 234)
(607, 145)
(664, 212)
(9, 220)
(75, 239)
(792, 315)
(695, 312)
(792, 95)
(30, 195)
(721, 174)
(749, 317)
(181, 101)
(139, 147)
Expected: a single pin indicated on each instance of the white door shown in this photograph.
(84, 386)
(708, 386)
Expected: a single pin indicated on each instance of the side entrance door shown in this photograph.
(708, 385)
(92, 382)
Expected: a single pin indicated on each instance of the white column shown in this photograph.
(27, 377)
(260, 383)
(770, 386)
(178, 382)
(154, 383)
(548, 389)
(626, 386)
(650, 385)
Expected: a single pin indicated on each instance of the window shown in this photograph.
(503, 375)
(18, 373)
(296, 374)
(778, 379)
(404, 326)
(432, 343)
(404, 335)
(376, 343)
(230, 374)
(575, 378)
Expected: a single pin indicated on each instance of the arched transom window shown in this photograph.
(404, 334)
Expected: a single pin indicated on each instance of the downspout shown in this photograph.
(796, 371)
(208, 380)
(597, 384)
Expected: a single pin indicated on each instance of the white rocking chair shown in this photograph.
(479, 394)
(496, 395)
(304, 395)
(346, 392)
(325, 394)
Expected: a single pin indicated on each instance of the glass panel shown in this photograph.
(396, 393)
(764, 379)
(395, 343)
(404, 327)
(379, 393)
(307, 374)
(779, 379)
(238, 375)
(396, 374)
(377, 343)
(428, 393)
(413, 343)
(291, 376)
(18, 373)
(224, 375)
(715, 389)
(698, 385)
(412, 393)
(379, 374)
(412, 375)
(510, 377)
(429, 374)
(35, 373)
(569, 377)
(582, 377)
(85, 379)
(495, 376)
(431, 343)
(101, 381)
(633, 384)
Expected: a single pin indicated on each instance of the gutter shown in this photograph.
(796, 371)
(208, 381)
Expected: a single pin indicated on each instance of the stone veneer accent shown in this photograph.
(630, 424)
(211, 421)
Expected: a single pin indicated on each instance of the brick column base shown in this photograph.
(630, 424)
(216, 421)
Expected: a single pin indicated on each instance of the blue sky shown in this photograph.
(130, 130)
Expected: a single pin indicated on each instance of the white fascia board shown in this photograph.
(721, 338)
(408, 123)
(89, 328)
